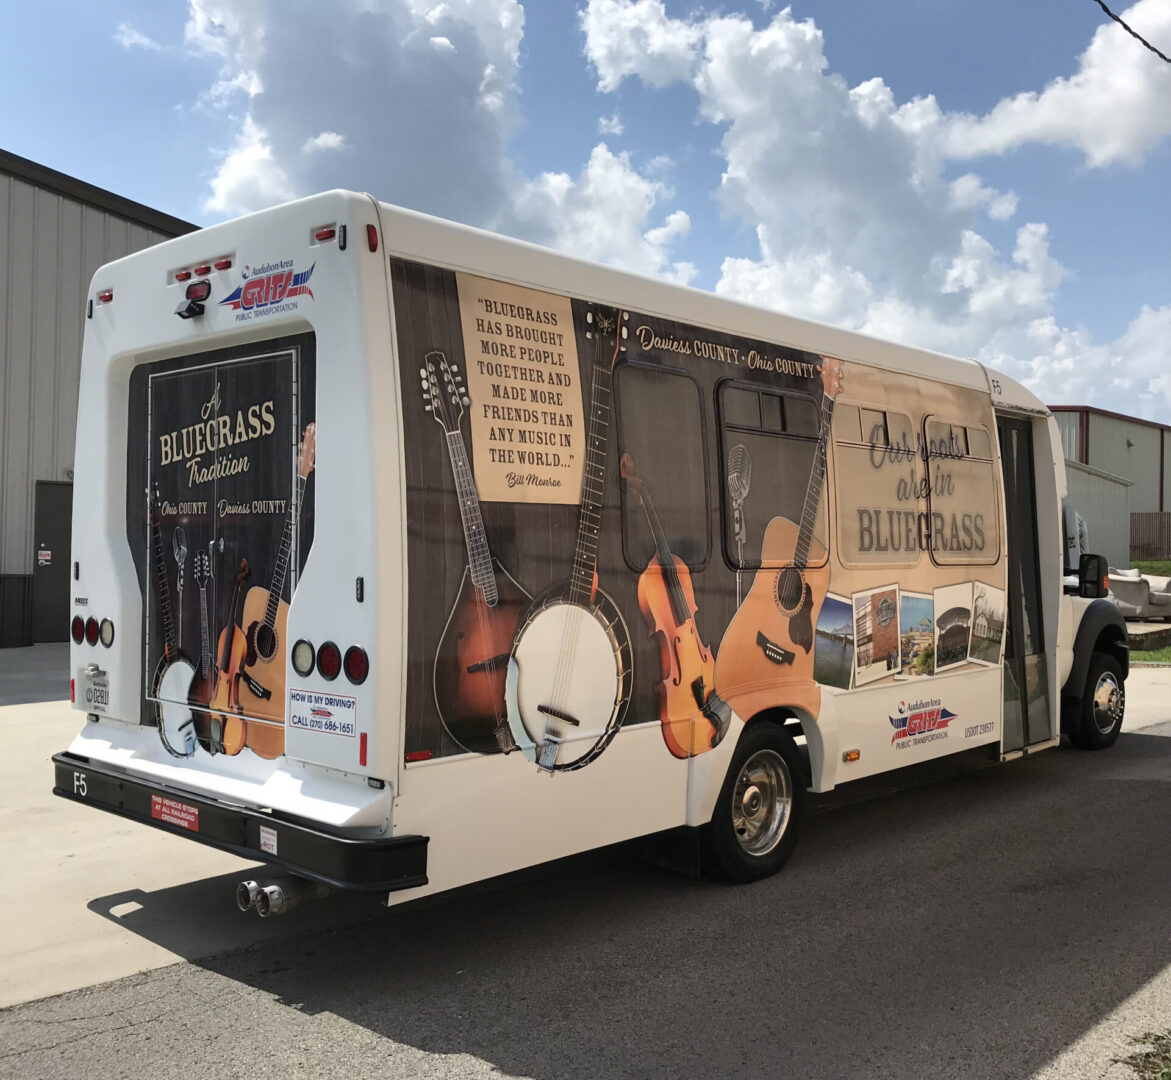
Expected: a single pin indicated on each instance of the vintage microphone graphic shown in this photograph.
(179, 543)
(739, 481)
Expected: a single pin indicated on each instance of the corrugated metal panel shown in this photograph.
(1067, 425)
(50, 247)
(1166, 471)
(1104, 502)
(1137, 462)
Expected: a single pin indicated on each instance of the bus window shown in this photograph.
(962, 496)
(767, 444)
(652, 402)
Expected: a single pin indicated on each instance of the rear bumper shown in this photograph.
(378, 865)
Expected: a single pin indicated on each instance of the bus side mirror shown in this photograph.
(1093, 577)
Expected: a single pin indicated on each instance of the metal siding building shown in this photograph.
(55, 232)
(1115, 447)
(1104, 501)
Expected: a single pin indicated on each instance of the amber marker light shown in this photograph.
(851, 755)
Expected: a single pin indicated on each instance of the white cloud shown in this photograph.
(610, 125)
(1113, 109)
(327, 140)
(636, 37)
(249, 177)
(603, 215)
(130, 38)
(859, 216)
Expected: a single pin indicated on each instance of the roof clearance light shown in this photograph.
(77, 629)
(105, 296)
(329, 661)
(182, 275)
(203, 270)
(223, 264)
(106, 632)
(372, 237)
(324, 234)
(357, 665)
(303, 657)
(91, 630)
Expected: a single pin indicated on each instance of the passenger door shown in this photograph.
(1027, 712)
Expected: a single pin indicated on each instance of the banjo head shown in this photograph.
(573, 664)
(176, 721)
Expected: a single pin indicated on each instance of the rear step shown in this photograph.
(379, 865)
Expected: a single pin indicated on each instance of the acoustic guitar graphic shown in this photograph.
(766, 655)
(226, 728)
(262, 676)
(692, 716)
(171, 681)
(204, 683)
(569, 677)
(471, 661)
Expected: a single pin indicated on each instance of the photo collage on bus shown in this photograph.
(624, 519)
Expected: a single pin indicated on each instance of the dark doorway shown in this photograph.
(1026, 684)
(52, 530)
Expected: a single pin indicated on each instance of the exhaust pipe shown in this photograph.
(246, 894)
(286, 893)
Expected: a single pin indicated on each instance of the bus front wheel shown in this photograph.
(1102, 707)
(754, 827)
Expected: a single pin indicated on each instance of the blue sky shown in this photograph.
(986, 179)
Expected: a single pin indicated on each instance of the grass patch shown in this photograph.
(1160, 567)
(1153, 1063)
(1151, 656)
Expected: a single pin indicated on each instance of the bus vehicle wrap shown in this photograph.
(406, 555)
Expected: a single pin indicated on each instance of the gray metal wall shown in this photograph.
(1105, 502)
(1067, 425)
(1138, 462)
(50, 246)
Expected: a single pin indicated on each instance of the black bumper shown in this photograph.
(378, 865)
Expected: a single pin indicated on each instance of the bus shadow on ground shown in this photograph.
(974, 927)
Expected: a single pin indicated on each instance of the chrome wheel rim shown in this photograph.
(1109, 702)
(761, 802)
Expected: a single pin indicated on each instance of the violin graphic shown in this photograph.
(693, 717)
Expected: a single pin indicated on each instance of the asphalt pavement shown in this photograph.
(1008, 921)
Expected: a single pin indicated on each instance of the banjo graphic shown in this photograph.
(569, 676)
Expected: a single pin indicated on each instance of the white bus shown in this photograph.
(406, 555)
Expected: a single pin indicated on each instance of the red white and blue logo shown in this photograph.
(920, 718)
(268, 285)
(321, 713)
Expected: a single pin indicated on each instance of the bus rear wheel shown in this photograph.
(754, 827)
(1103, 705)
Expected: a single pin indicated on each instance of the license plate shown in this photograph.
(96, 690)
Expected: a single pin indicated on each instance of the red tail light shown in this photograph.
(91, 630)
(77, 629)
(357, 665)
(329, 661)
(199, 290)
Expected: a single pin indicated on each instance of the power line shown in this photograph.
(1137, 37)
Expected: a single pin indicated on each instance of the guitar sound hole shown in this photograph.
(790, 589)
(265, 642)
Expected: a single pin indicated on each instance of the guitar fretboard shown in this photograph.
(162, 588)
(204, 635)
(281, 567)
(589, 522)
(479, 556)
(814, 488)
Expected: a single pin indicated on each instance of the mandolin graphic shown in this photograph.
(471, 662)
(766, 656)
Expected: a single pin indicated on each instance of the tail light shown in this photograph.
(77, 629)
(91, 630)
(329, 661)
(303, 657)
(357, 665)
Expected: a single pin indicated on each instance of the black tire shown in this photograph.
(763, 794)
(1103, 705)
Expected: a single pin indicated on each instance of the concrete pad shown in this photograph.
(88, 896)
